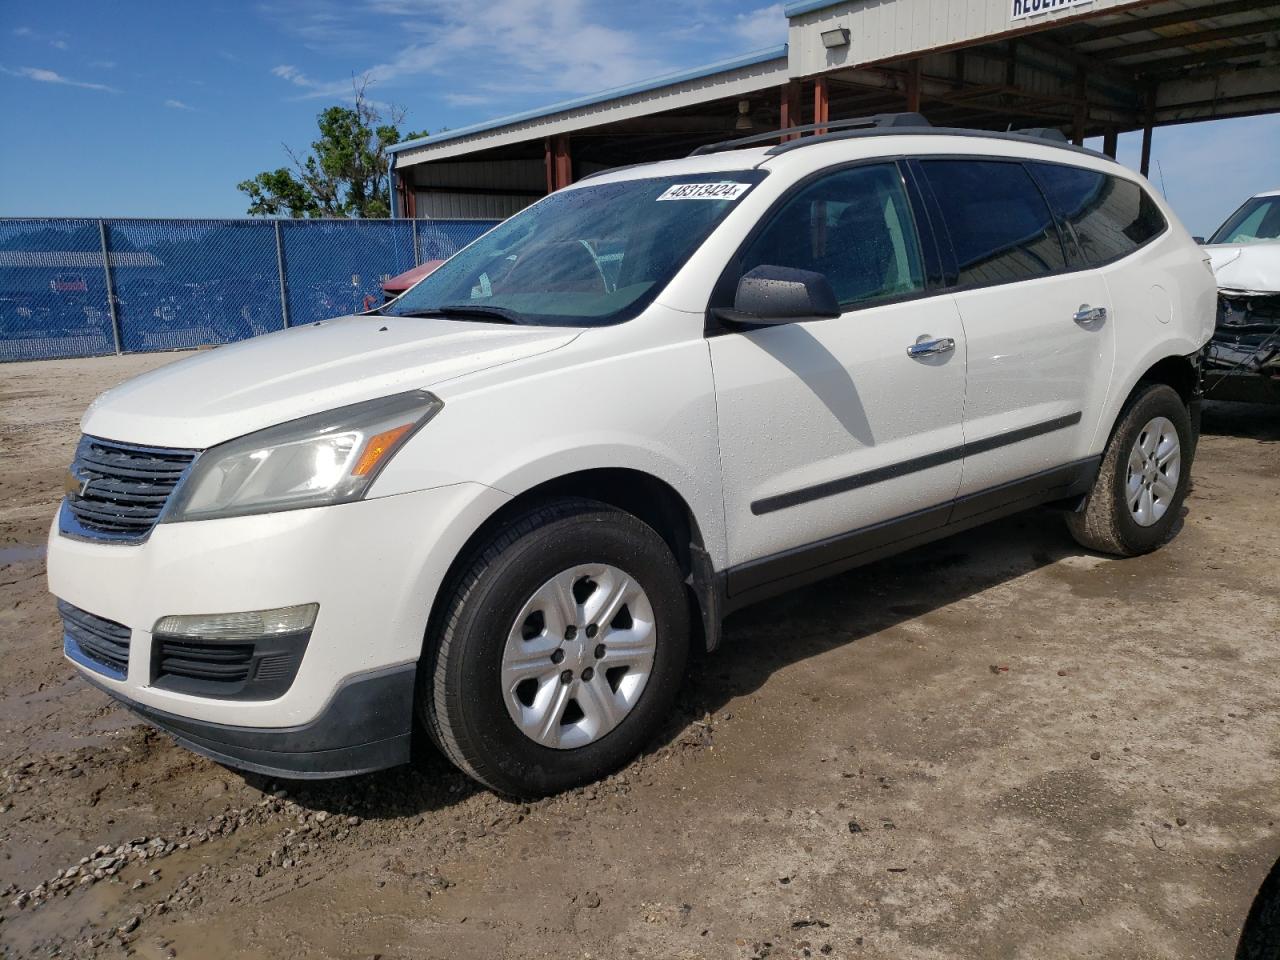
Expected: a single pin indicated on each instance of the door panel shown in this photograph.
(828, 426)
(1035, 373)
(1039, 337)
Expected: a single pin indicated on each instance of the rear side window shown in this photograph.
(855, 227)
(1109, 217)
(1000, 226)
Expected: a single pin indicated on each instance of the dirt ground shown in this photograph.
(996, 746)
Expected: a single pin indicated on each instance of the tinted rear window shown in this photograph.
(1109, 217)
(1000, 227)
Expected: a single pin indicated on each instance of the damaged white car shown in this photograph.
(1242, 361)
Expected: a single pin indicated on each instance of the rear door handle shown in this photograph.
(1088, 314)
(927, 346)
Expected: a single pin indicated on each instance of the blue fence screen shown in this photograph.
(80, 288)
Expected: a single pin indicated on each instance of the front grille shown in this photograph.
(117, 491)
(102, 642)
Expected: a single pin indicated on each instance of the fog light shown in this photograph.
(240, 626)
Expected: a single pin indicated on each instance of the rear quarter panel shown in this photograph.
(1164, 302)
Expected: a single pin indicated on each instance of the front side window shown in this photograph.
(586, 256)
(854, 226)
(1110, 217)
(1000, 227)
(1258, 219)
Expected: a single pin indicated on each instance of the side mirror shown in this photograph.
(769, 295)
(1199, 240)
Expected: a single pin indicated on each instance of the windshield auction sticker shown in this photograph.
(705, 191)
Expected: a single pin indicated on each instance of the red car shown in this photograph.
(397, 285)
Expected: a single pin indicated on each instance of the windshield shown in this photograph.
(1258, 219)
(582, 257)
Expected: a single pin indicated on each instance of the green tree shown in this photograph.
(347, 173)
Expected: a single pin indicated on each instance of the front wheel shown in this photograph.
(558, 651)
(1146, 469)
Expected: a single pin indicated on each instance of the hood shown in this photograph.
(1246, 267)
(219, 394)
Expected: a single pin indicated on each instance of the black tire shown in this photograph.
(460, 699)
(1105, 523)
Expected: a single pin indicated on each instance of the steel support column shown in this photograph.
(913, 86)
(284, 290)
(564, 162)
(1080, 112)
(1148, 122)
(549, 161)
(821, 103)
(111, 289)
(789, 111)
(558, 161)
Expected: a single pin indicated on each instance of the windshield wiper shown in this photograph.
(469, 311)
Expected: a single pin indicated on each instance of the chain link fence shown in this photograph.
(79, 288)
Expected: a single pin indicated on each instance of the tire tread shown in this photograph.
(1097, 526)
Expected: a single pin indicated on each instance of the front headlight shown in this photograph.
(328, 458)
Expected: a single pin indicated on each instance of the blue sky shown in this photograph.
(159, 109)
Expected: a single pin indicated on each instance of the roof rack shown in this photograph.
(1043, 133)
(1044, 136)
(880, 120)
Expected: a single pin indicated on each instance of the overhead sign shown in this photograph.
(1030, 8)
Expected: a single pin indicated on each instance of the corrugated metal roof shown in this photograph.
(807, 6)
(667, 80)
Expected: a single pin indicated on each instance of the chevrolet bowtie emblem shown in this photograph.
(73, 486)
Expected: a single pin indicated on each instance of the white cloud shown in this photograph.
(559, 48)
(58, 44)
(763, 27)
(286, 71)
(23, 32)
(41, 75)
(178, 105)
(467, 99)
(102, 64)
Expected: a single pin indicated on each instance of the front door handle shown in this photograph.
(1088, 314)
(927, 346)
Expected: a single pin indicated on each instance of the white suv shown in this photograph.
(501, 509)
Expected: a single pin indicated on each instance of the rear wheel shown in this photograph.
(1146, 468)
(559, 650)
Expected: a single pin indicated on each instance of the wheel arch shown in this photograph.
(1179, 371)
(643, 495)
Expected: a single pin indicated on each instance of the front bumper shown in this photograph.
(1242, 361)
(365, 727)
(373, 566)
